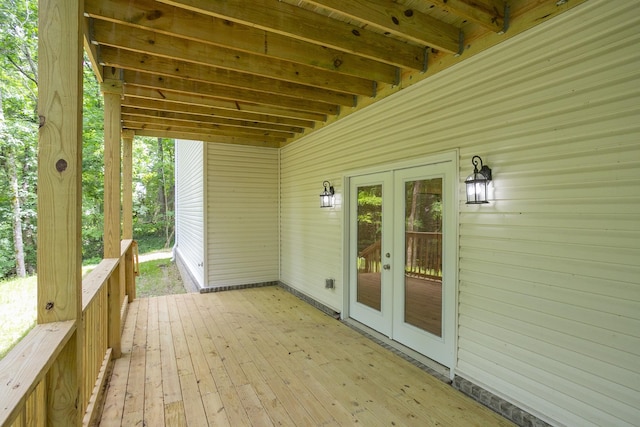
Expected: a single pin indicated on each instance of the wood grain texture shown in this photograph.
(285, 19)
(26, 366)
(112, 92)
(148, 14)
(127, 183)
(59, 197)
(394, 18)
(129, 42)
(263, 357)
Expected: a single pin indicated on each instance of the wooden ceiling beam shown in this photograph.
(159, 93)
(169, 124)
(201, 110)
(190, 118)
(286, 19)
(142, 40)
(135, 125)
(398, 20)
(142, 62)
(91, 50)
(179, 22)
(212, 138)
(490, 14)
(160, 82)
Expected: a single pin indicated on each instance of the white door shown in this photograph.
(403, 256)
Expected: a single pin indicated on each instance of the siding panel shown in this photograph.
(190, 206)
(549, 292)
(242, 215)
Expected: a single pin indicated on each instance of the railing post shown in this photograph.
(112, 92)
(130, 273)
(60, 199)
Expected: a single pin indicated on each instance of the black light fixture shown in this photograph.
(326, 197)
(478, 182)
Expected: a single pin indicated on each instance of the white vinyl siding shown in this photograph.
(549, 284)
(190, 206)
(242, 215)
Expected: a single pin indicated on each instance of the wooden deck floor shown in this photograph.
(263, 357)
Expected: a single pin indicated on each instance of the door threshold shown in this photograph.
(437, 370)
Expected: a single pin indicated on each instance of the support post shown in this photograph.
(60, 198)
(127, 208)
(112, 92)
(127, 184)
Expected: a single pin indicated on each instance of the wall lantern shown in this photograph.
(326, 197)
(478, 182)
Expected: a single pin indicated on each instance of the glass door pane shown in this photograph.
(423, 254)
(369, 245)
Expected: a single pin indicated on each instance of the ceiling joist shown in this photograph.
(285, 19)
(176, 22)
(267, 72)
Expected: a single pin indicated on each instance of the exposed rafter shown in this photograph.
(267, 72)
(286, 19)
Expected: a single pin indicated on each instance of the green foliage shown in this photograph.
(158, 277)
(150, 243)
(153, 175)
(17, 311)
(18, 128)
(153, 158)
(369, 215)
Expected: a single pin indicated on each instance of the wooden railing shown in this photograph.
(423, 257)
(24, 372)
(424, 254)
(369, 258)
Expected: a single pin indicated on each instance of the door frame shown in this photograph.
(453, 187)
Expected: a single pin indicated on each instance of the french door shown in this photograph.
(402, 244)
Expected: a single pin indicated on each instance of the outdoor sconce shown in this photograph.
(478, 182)
(326, 197)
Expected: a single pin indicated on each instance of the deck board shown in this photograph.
(261, 356)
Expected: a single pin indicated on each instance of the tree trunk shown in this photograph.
(12, 173)
(162, 194)
(410, 224)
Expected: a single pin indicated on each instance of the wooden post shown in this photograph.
(112, 92)
(127, 184)
(127, 208)
(60, 198)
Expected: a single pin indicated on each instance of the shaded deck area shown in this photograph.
(264, 357)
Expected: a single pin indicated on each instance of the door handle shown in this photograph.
(387, 267)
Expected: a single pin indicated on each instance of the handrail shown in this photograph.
(423, 257)
(27, 364)
(23, 372)
(93, 281)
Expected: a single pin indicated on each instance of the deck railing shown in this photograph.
(423, 256)
(24, 383)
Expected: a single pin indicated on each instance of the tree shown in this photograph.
(9, 164)
(153, 168)
(18, 125)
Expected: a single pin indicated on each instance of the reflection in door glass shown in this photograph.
(423, 255)
(369, 245)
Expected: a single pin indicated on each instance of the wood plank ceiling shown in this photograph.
(266, 72)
